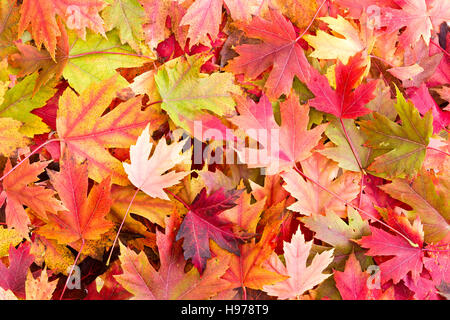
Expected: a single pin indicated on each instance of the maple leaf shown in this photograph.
(402, 147)
(242, 10)
(202, 223)
(10, 137)
(342, 152)
(9, 17)
(20, 191)
(127, 16)
(357, 8)
(78, 14)
(437, 263)
(427, 202)
(407, 72)
(31, 59)
(80, 62)
(96, 60)
(301, 277)
(106, 286)
(19, 102)
(187, 93)
(313, 200)
(13, 278)
(148, 174)
(353, 283)
(40, 288)
(8, 237)
(344, 102)
(154, 209)
(407, 255)
(86, 131)
(423, 102)
(430, 65)
(103, 106)
(204, 17)
(156, 12)
(299, 12)
(56, 257)
(84, 218)
(279, 48)
(283, 145)
(334, 231)
(418, 16)
(170, 281)
(246, 270)
(330, 47)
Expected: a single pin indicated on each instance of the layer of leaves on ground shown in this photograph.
(344, 103)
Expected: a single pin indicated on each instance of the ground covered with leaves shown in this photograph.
(224, 149)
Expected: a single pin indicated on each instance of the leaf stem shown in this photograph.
(27, 157)
(415, 245)
(312, 21)
(73, 267)
(352, 147)
(356, 155)
(121, 226)
(152, 103)
(437, 150)
(178, 199)
(440, 48)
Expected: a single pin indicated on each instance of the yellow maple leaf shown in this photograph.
(8, 237)
(329, 46)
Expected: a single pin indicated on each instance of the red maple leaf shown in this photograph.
(423, 101)
(353, 283)
(14, 277)
(406, 256)
(279, 48)
(418, 16)
(202, 223)
(344, 102)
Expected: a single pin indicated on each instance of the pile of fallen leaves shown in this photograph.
(224, 149)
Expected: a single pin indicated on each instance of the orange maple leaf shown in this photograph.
(19, 191)
(84, 218)
(78, 14)
(170, 281)
(246, 270)
(86, 131)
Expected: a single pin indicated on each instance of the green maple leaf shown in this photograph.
(128, 17)
(430, 204)
(342, 152)
(19, 102)
(86, 67)
(186, 92)
(401, 148)
(336, 232)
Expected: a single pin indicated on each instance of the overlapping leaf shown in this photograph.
(402, 147)
(279, 49)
